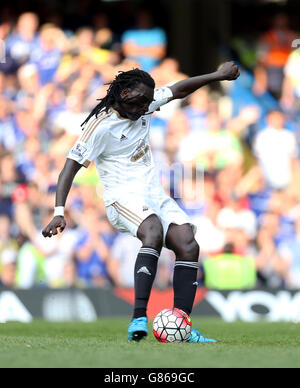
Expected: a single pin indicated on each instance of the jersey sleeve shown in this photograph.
(90, 144)
(161, 97)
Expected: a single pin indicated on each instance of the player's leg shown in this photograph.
(180, 239)
(150, 233)
(137, 219)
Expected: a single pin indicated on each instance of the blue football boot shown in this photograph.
(137, 329)
(196, 336)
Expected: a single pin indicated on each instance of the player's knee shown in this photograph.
(188, 249)
(191, 250)
(151, 233)
(154, 236)
(181, 240)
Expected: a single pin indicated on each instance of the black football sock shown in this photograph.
(185, 285)
(144, 275)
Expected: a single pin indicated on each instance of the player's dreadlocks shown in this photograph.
(125, 79)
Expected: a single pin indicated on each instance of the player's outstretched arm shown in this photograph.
(228, 72)
(64, 184)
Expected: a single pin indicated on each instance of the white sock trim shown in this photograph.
(149, 251)
(190, 264)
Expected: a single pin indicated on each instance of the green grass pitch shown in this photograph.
(103, 344)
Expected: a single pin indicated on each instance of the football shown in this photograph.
(172, 325)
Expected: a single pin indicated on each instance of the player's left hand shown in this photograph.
(58, 223)
(229, 71)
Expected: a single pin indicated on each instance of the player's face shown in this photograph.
(136, 101)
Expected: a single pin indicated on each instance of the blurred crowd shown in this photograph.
(237, 144)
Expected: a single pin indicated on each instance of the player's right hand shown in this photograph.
(57, 223)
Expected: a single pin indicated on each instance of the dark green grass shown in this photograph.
(104, 344)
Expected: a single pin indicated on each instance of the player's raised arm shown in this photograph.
(228, 72)
(64, 184)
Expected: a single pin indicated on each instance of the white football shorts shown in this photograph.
(127, 215)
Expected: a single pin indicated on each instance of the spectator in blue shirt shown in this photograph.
(92, 252)
(145, 44)
(47, 55)
(290, 252)
(10, 135)
(24, 40)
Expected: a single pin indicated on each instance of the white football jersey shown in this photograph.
(121, 151)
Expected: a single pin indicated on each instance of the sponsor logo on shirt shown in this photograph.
(140, 152)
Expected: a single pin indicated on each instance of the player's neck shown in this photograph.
(119, 111)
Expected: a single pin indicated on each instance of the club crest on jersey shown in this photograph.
(144, 123)
(79, 150)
